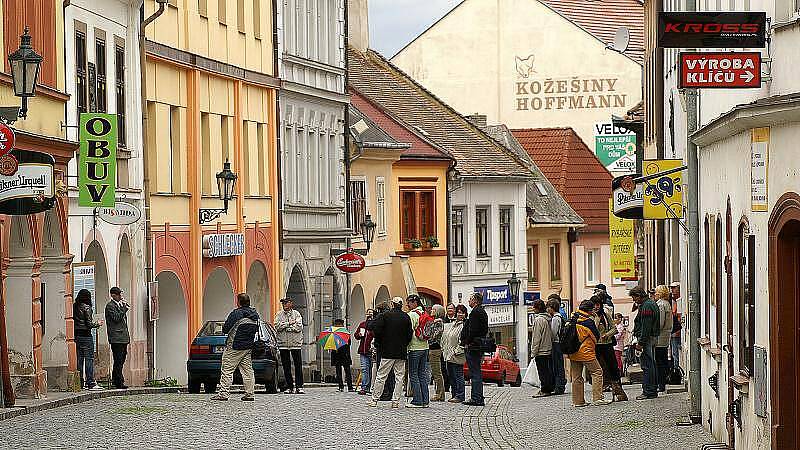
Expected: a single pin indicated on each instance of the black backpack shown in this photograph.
(570, 343)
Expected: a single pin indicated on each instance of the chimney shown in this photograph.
(479, 120)
(358, 24)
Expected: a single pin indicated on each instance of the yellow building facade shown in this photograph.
(211, 96)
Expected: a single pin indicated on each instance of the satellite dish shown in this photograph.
(621, 40)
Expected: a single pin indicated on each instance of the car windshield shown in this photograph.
(212, 328)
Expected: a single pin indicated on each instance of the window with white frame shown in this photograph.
(358, 205)
(458, 231)
(555, 262)
(380, 205)
(592, 266)
(505, 231)
(482, 231)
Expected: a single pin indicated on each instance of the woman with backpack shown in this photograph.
(579, 341)
(435, 352)
(605, 348)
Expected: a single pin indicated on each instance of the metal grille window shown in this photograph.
(358, 205)
(458, 231)
(555, 261)
(80, 72)
(380, 205)
(747, 304)
(100, 59)
(482, 231)
(119, 68)
(505, 231)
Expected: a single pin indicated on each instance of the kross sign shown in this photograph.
(721, 70)
(712, 29)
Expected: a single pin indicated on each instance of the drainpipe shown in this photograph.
(346, 136)
(278, 160)
(149, 258)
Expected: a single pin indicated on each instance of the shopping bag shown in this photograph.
(532, 375)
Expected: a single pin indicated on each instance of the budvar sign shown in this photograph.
(712, 29)
(720, 70)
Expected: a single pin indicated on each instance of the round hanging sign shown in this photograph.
(7, 139)
(350, 262)
(121, 214)
(8, 165)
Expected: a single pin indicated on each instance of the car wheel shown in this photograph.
(518, 381)
(211, 387)
(194, 386)
(502, 380)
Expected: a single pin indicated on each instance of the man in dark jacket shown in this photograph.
(646, 329)
(241, 328)
(392, 331)
(472, 335)
(118, 335)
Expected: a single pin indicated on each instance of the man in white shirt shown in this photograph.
(289, 326)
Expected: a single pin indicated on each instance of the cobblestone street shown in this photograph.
(325, 418)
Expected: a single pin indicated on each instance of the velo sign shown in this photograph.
(720, 70)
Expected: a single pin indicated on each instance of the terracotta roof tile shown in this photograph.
(614, 14)
(389, 88)
(573, 169)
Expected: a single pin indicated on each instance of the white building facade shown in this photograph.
(313, 107)
(103, 75)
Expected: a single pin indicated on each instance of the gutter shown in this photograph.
(278, 160)
(149, 257)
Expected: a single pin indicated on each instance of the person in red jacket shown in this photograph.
(364, 334)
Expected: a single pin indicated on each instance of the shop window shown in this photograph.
(458, 231)
(555, 262)
(482, 231)
(533, 264)
(505, 232)
(747, 304)
(358, 205)
(418, 214)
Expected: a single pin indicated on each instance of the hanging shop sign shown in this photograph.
(759, 165)
(7, 139)
(615, 147)
(628, 197)
(500, 314)
(663, 192)
(495, 295)
(720, 70)
(222, 245)
(121, 214)
(529, 297)
(622, 245)
(350, 262)
(97, 167)
(27, 182)
(712, 29)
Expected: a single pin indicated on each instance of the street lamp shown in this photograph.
(368, 230)
(226, 182)
(25, 64)
(513, 289)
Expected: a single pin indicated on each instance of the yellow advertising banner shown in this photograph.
(759, 159)
(621, 240)
(663, 192)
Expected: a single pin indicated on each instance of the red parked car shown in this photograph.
(500, 367)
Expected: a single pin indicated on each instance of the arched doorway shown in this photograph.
(429, 296)
(19, 308)
(382, 296)
(258, 290)
(102, 362)
(784, 288)
(297, 292)
(356, 311)
(55, 353)
(135, 319)
(172, 329)
(218, 298)
(328, 307)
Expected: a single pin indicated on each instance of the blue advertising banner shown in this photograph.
(529, 297)
(495, 295)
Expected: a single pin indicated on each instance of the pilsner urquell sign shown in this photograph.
(97, 163)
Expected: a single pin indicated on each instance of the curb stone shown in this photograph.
(82, 397)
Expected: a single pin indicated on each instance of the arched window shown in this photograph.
(747, 304)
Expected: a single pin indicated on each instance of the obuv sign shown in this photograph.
(97, 163)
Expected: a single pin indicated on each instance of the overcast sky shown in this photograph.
(394, 23)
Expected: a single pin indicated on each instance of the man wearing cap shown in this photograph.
(118, 335)
(289, 326)
(392, 331)
(602, 290)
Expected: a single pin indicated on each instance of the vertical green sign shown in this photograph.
(97, 161)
